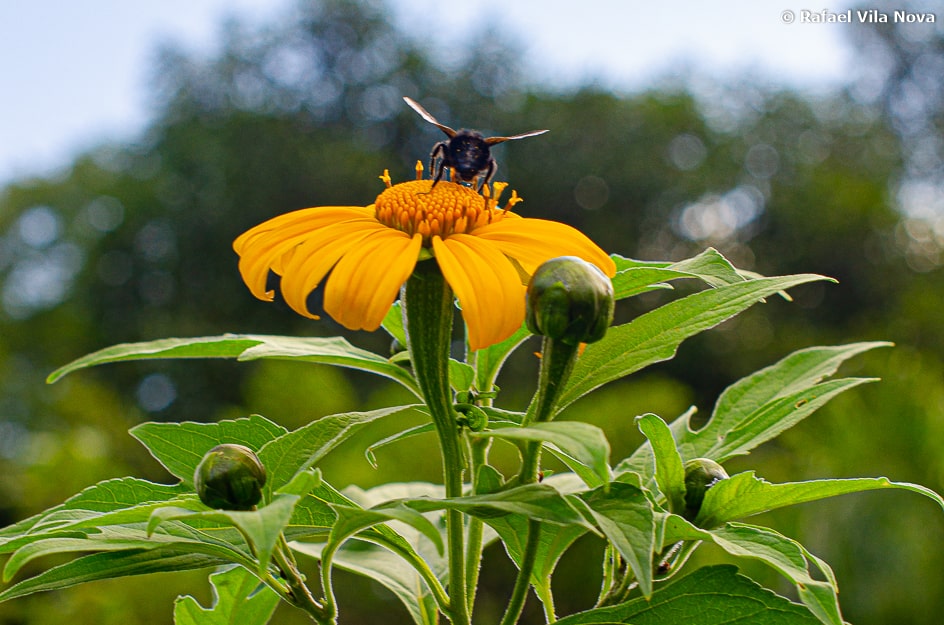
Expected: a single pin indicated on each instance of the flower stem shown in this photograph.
(523, 583)
(557, 361)
(299, 593)
(428, 302)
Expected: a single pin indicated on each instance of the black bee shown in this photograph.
(467, 153)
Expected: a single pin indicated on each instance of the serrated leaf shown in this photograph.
(583, 446)
(238, 597)
(300, 449)
(180, 447)
(669, 470)
(656, 335)
(744, 494)
(760, 406)
(333, 351)
(763, 405)
(635, 277)
(733, 599)
(626, 518)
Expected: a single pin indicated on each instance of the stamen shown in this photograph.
(417, 207)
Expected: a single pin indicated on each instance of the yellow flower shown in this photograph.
(485, 253)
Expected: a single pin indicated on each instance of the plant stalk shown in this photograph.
(428, 305)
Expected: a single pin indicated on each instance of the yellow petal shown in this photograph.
(487, 285)
(533, 241)
(365, 282)
(314, 258)
(262, 248)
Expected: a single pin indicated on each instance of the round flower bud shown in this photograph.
(570, 300)
(700, 475)
(230, 477)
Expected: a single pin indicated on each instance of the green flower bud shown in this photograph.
(230, 477)
(700, 475)
(570, 300)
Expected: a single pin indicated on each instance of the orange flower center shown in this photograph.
(448, 208)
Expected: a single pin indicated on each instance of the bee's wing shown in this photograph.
(494, 140)
(425, 115)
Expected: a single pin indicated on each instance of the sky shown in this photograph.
(74, 73)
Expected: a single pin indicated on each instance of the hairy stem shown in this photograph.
(523, 583)
(429, 311)
(300, 595)
(557, 361)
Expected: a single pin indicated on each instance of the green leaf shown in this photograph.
(488, 362)
(333, 351)
(461, 375)
(351, 520)
(225, 346)
(540, 502)
(238, 597)
(669, 470)
(763, 405)
(759, 407)
(416, 430)
(300, 449)
(789, 558)
(105, 496)
(330, 351)
(387, 569)
(582, 446)
(393, 324)
(553, 542)
(626, 518)
(262, 528)
(656, 335)
(181, 446)
(744, 494)
(732, 598)
(635, 277)
(783, 554)
(106, 565)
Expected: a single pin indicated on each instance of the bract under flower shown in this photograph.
(486, 254)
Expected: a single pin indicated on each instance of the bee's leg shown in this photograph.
(489, 174)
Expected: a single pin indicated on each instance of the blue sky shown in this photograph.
(74, 72)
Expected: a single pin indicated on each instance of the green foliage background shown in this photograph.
(133, 243)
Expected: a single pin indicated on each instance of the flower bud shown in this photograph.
(700, 475)
(230, 477)
(570, 300)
